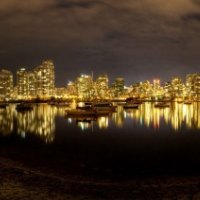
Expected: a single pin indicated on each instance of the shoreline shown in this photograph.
(20, 182)
(37, 174)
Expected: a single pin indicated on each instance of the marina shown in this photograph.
(41, 119)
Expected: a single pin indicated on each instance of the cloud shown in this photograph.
(106, 31)
(96, 19)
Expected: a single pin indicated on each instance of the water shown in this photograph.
(136, 141)
(49, 122)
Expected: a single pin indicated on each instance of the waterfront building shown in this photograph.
(135, 91)
(6, 84)
(197, 87)
(31, 84)
(167, 90)
(45, 79)
(61, 93)
(147, 90)
(191, 85)
(101, 87)
(158, 91)
(118, 86)
(85, 88)
(22, 83)
(177, 88)
(72, 90)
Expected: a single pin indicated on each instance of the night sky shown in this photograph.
(136, 39)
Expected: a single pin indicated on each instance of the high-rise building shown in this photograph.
(22, 83)
(6, 84)
(72, 90)
(197, 86)
(84, 85)
(177, 87)
(31, 84)
(101, 87)
(193, 86)
(118, 86)
(45, 79)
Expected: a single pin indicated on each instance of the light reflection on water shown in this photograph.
(42, 120)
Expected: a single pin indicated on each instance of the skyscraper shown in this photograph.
(84, 85)
(31, 84)
(22, 83)
(192, 85)
(45, 79)
(197, 86)
(102, 86)
(6, 84)
(118, 86)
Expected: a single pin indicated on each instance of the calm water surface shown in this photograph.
(50, 122)
(140, 141)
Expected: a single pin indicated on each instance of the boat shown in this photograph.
(161, 105)
(62, 104)
(133, 100)
(84, 113)
(188, 102)
(179, 100)
(24, 107)
(104, 106)
(59, 104)
(131, 106)
(84, 106)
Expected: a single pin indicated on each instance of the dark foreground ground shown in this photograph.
(157, 168)
(19, 182)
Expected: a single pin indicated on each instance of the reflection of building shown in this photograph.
(6, 120)
(6, 84)
(118, 117)
(40, 121)
(103, 122)
(176, 115)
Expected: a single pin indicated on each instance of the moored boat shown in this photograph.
(179, 100)
(24, 107)
(188, 102)
(62, 104)
(161, 105)
(84, 106)
(104, 106)
(89, 112)
(131, 106)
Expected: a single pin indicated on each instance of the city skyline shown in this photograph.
(94, 75)
(39, 83)
(100, 99)
(139, 40)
